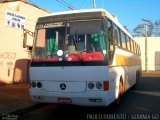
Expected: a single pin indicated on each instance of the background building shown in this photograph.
(17, 19)
(153, 50)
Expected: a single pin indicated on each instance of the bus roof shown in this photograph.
(81, 14)
(76, 11)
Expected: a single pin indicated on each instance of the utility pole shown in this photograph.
(146, 45)
(94, 4)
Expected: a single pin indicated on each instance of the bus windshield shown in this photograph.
(71, 41)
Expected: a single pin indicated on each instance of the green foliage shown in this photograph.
(153, 29)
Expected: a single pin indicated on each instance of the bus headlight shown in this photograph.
(39, 84)
(90, 85)
(33, 84)
(99, 85)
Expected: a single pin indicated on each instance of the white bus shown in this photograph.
(82, 57)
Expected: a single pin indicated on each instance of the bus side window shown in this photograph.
(139, 50)
(116, 36)
(110, 35)
(135, 48)
(131, 45)
(110, 40)
(123, 40)
(111, 48)
(128, 43)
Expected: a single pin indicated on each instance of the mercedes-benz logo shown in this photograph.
(63, 86)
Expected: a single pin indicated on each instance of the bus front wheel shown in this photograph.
(121, 90)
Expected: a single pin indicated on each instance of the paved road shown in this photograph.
(13, 97)
(143, 102)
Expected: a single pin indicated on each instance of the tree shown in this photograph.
(157, 28)
(153, 29)
(140, 30)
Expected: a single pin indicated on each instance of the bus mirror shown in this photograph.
(60, 53)
(27, 38)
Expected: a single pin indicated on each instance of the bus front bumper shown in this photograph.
(87, 98)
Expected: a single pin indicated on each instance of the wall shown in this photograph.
(14, 59)
(153, 52)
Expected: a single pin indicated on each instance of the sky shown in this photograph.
(129, 12)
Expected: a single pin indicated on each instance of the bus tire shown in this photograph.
(120, 91)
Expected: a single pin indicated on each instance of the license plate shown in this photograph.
(65, 100)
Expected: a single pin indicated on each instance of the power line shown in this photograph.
(66, 4)
(69, 4)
